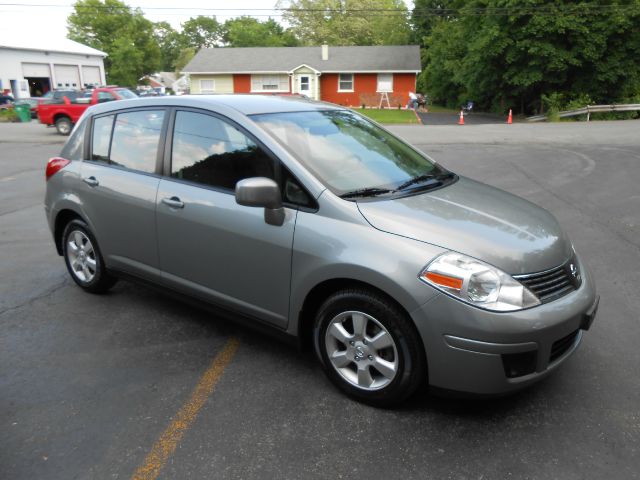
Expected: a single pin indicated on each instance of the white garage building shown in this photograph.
(30, 68)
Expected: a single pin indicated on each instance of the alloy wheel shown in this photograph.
(361, 350)
(82, 256)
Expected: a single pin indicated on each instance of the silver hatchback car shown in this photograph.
(311, 219)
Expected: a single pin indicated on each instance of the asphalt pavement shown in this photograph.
(131, 385)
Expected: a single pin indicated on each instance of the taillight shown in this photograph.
(55, 165)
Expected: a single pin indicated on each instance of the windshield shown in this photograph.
(126, 94)
(346, 152)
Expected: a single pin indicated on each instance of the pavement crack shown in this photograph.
(29, 301)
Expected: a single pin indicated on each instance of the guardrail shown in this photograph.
(589, 109)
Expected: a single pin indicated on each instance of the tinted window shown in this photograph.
(101, 137)
(105, 97)
(210, 151)
(136, 136)
(73, 148)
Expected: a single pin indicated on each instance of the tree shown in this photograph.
(508, 54)
(184, 57)
(352, 22)
(249, 32)
(170, 43)
(201, 32)
(123, 33)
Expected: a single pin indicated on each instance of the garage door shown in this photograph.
(67, 76)
(38, 70)
(91, 76)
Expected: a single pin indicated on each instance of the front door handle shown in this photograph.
(91, 181)
(173, 202)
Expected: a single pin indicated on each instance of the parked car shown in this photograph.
(311, 219)
(6, 101)
(64, 112)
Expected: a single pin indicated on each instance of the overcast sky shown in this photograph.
(51, 21)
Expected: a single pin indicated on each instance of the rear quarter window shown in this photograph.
(73, 149)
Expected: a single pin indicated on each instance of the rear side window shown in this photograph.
(73, 149)
(210, 151)
(129, 140)
(136, 136)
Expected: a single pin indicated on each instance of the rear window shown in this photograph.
(126, 94)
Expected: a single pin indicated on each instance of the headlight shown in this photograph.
(477, 283)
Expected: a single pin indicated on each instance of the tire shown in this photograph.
(358, 331)
(83, 258)
(64, 125)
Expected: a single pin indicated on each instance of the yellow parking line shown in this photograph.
(168, 441)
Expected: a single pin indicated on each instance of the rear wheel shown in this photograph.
(64, 125)
(83, 259)
(369, 348)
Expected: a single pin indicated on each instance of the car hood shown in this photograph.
(472, 218)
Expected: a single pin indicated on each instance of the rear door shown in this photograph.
(119, 185)
(209, 245)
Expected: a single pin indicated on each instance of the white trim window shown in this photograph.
(385, 82)
(207, 86)
(270, 83)
(345, 82)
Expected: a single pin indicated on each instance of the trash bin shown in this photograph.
(24, 112)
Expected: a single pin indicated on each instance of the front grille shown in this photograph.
(555, 283)
(559, 347)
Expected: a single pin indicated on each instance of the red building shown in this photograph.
(350, 76)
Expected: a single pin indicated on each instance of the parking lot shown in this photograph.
(133, 383)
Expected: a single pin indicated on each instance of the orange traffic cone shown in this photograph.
(510, 118)
(461, 121)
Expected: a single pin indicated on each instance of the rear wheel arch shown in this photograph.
(62, 220)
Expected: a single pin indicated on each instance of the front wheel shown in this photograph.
(64, 125)
(369, 348)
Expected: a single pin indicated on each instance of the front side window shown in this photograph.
(345, 82)
(212, 152)
(136, 137)
(345, 151)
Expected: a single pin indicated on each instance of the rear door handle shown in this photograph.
(173, 202)
(91, 181)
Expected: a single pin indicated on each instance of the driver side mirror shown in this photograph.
(262, 192)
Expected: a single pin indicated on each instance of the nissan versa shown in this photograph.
(311, 219)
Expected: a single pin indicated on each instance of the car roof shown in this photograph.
(245, 104)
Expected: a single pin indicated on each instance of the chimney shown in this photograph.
(325, 52)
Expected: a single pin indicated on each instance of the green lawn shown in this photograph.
(389, 116)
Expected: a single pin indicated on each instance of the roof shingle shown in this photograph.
(284, 59)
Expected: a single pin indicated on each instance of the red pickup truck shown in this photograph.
(66, 113)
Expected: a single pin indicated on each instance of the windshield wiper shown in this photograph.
(366, 192)
(427, 179)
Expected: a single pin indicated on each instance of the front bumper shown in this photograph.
(476, 351)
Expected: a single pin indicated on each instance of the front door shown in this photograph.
(304, 85)
(209, 245)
